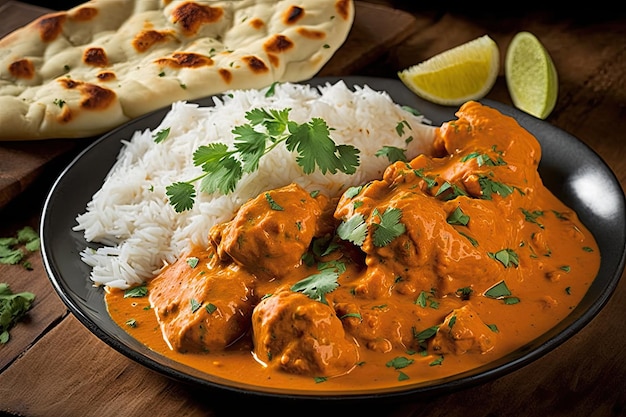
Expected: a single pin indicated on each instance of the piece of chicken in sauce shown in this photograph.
(202, 305)
(270, 233)
(302, 336)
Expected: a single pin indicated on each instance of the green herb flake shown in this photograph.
(392, 153)
(136, 292)
(532, 216)
(399, 362)
(437, 362)
(402, 376)
(400, 127)
(353, 230)
(316, 286)
(565, 268)
(457, 217)
(14, 249)
(320, 379)
(490, 187)
(192, 261)
(507, 257)
(195, 305)
(389, 227)
(210, 308)
(499, 290)
(161, 135)
(273, 204)
(12, 308)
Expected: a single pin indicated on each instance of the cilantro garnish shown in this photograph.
(318, 285)
(458, 217)
(490, 187)
(136, 292)
(12, 308)
(353, 230)
(500, 291)
(389, 227)
(392, 153)
(14, 249)
(507, 257)
(399, 362)
(273, 204)
(161, 135)
(532, 216)
(223, 167)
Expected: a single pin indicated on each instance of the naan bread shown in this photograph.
(84, 71)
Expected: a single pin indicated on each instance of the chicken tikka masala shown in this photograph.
(446, 263)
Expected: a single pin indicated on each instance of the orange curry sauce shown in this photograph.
(448, 262)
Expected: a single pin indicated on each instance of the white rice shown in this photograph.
(140, 231)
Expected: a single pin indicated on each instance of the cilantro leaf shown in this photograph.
(181, 195)
(251, 146)
(353, 230)
(223, 168)
(12, 308)
(318, 285)
(490, 187)
(392, 153)
(389, 227)
(458, 217)
(506, 257)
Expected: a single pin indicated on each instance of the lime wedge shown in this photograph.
(531, 76)
(465, 72)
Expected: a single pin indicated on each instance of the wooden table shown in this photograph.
(54, 366)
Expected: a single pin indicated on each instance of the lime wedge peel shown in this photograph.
(531, 76)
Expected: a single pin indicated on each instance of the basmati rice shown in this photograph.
(140, 232)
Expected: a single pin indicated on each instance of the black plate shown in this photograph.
(570, 169)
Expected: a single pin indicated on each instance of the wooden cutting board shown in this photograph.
(376, 28)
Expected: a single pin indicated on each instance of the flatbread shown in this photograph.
(84, 71)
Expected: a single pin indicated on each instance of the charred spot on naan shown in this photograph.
(84, 14)
(148, 38)
(93, 98)
(106, 76)
(95, 57)
(343, 8)
(276, 45)
(255, 64)
(226, 75)
(50, 26)
(311, 34)
(293, 15)
(22, 69)
(191, 16)
(256, 23)
(185, 60)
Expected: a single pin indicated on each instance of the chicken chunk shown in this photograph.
(201, 308)
(301, 336)
(270, 233)
(463, 331)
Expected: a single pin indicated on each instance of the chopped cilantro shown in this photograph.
(223, 167)
(161, 135)
(136, 292)
(392, 153)
(389, 227)
(353, 230)
(12, 308)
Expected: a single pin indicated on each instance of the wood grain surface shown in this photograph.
(54, 366)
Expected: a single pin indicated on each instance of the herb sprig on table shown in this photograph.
(12, 308)
(224, 167)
